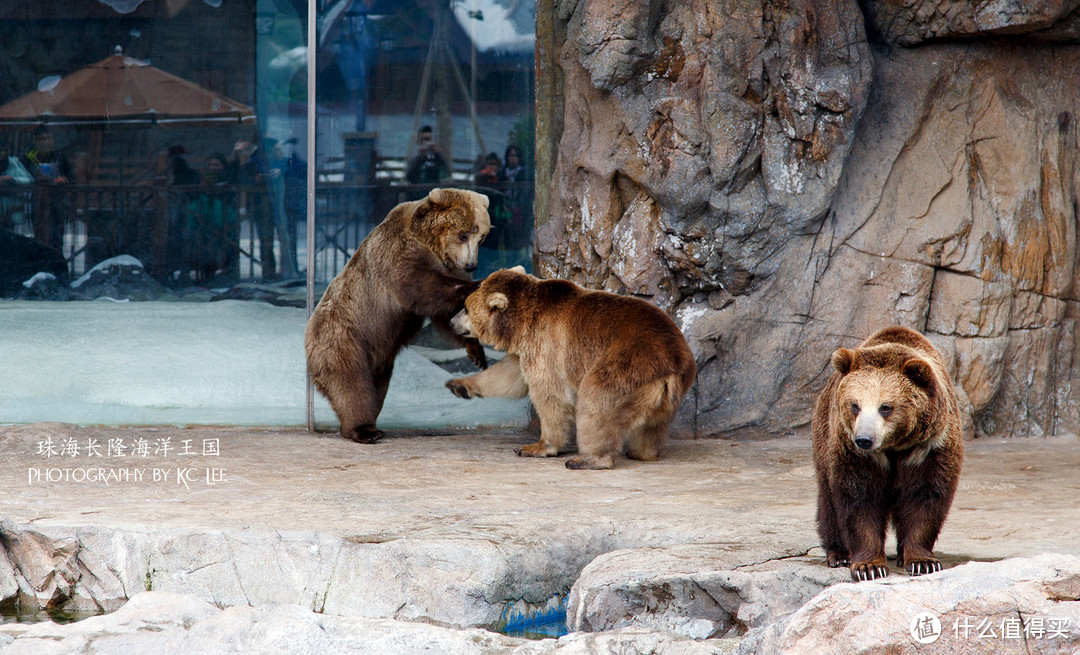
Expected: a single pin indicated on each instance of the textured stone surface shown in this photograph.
(714, 161)
(451, 529)
(909, 22)
(696, 591)
(798, 605)
(981, 598)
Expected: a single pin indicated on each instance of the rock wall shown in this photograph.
(783, 186)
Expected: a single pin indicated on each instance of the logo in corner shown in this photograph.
(925, 628)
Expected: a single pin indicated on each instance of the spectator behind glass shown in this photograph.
(514, 169)
(12, 202)
(428, 165)
(179, 170)
(489, 174)
(44, 161)
(215, 170)
(12, 170)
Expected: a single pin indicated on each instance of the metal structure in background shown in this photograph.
(312, 42)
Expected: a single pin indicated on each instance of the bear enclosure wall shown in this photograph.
(784, 185)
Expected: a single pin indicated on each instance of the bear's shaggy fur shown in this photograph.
(888, 447)
(414, 265)
(618, 365)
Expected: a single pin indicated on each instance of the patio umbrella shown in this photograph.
(124, 90)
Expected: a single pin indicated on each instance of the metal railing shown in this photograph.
(194, 234)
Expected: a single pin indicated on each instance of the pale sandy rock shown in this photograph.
(877, 617)
(696, 591)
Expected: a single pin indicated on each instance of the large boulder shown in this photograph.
(1022, 606)
(714, 161)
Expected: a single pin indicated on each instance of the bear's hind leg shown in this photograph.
(603, 425)
(357, 400)
(648, 440)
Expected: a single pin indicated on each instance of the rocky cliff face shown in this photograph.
(784, 186)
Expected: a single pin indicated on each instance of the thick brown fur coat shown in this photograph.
(616, 365)
(414, 265)
(888, 447)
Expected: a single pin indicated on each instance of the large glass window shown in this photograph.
(153, 237)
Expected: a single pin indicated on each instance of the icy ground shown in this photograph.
(184, 363)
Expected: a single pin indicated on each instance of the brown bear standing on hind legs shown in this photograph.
(414, 265)
(888, 446)
(618, 366)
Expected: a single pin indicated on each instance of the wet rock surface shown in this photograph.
(709, 550)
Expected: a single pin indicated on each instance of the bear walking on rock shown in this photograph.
(617, 365)
(888, 447)
(414, 265)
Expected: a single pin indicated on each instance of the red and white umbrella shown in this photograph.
(124, 90)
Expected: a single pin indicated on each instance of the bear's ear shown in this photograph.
(920, 372)
(498, 302)
(843, 360)
(439, 197)
(519, 269)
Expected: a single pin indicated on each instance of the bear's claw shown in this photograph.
(923, 567)
(865, 572)
(458, 389)
(836, 560)
(366, 434)
(475, 350)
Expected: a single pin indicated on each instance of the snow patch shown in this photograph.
(38, 277)
(120, 260)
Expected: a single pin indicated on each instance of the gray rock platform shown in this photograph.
(712, 549)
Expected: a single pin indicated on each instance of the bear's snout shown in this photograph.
(864, 442)
(461, 323)
(470, 267)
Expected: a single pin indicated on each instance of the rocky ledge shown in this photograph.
(271, 538)
(1023, 605)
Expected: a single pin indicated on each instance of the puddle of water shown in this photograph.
(528, 621)
(552, 629)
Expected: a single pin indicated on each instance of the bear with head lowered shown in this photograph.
(888, 447)
(616, 366)
(413, 266)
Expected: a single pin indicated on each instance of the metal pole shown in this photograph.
(312, 42)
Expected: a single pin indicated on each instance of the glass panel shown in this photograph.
(143, 177)
(414, 95)
(156, 160)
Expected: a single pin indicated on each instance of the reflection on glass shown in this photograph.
(156, 151)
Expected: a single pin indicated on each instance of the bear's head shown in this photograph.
(492, 313)
(887, 396)
(452, 223)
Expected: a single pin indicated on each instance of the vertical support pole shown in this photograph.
(312, 43)
(548, 121)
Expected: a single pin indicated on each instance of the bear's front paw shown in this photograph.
(365, 434)
(872, 570)
(922, 567)
(475, 350)
(458, 388)
(538, 449)
(836, 560)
